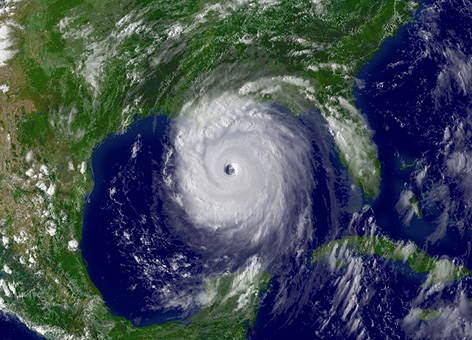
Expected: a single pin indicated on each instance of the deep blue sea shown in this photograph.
(13, 329)
(400, 97)
(113, 166)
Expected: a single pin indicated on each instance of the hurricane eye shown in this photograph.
(229, 169)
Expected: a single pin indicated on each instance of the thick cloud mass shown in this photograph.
(241, 177)
(227, 187)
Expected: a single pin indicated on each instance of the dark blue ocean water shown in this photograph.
(105, 217)
(409, 115)
(12, 329)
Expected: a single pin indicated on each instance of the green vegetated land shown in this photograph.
(223, 318)
(440, 270)
(85, 69)
(427, 314)
(415, 204)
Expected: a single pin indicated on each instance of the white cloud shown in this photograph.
(4, 88)
(6, 44)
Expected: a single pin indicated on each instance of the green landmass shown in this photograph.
(427, 314)
(440, 270)
(223, 318)
(324, 47)
(406, 166)
(85, 69)
(415, 204)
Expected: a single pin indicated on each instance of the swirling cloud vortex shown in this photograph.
(240, 177)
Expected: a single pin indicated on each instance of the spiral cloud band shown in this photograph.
(241, 177)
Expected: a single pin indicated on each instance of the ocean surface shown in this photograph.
(13, 329)
(408, 113)
(108, 267)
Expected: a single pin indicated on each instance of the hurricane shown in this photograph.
(240, 187)
(242, 175)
